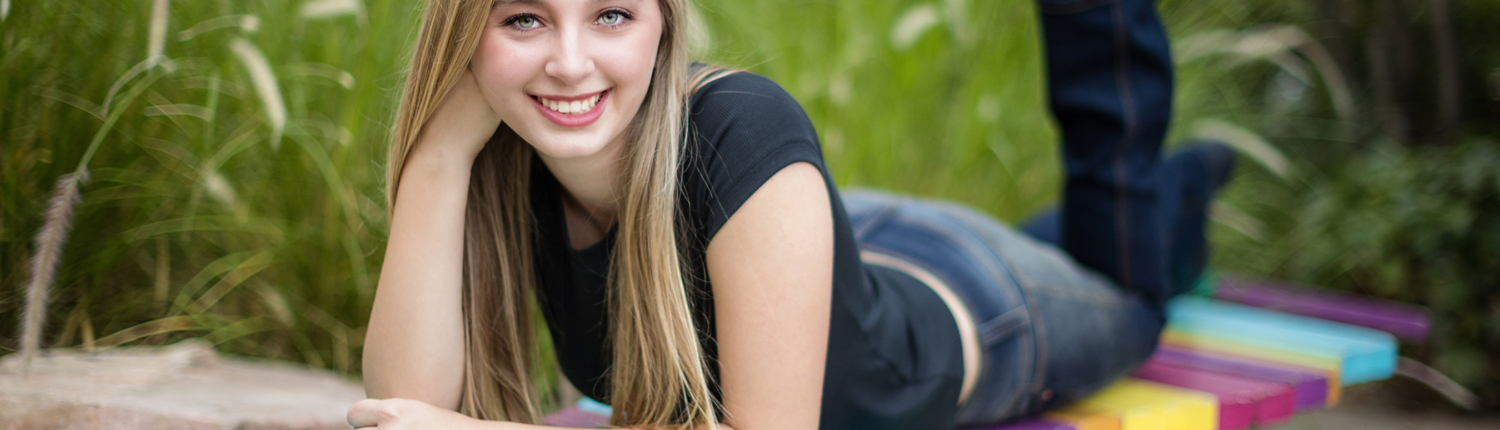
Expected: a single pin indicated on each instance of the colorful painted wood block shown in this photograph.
(1364, 354)
(1311, 389)
(1148, 405)
(1084, 417)
(1406, 322)
(1242, 402)
(1181, 340)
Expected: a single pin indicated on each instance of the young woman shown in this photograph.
(694, 263)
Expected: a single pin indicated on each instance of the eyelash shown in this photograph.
(624, 18)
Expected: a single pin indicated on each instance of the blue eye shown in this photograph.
(612, 17)
(524, 21)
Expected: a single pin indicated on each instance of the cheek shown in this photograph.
(503, 68)
(630, 62)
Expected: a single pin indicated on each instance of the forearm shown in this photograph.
(414, 345)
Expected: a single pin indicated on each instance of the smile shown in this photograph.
(571, 111)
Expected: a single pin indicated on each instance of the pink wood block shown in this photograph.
(1309, 389)
(573, 417)
(1242, 402)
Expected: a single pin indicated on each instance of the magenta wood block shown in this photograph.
(1406, 322)
(1310, 390)
(573, 417)
(1240, 400)
(1031, 424)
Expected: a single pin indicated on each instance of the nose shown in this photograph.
(570, 62)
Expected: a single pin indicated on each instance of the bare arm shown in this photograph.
(414, 348)
(772, 271)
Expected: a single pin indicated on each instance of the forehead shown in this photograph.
(542, 2)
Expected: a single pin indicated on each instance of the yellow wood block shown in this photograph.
(1187, 410)
(1083, 416)
(1328, 367)
(1135, 413)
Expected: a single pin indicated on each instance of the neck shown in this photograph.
(590, 188)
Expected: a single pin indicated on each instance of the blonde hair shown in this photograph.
(659, 377)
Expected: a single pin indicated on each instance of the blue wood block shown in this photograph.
(1364, 354)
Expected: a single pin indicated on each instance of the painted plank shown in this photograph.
(1135, 413)
(575, 417)
(1328, 367)
(1310, 388)
(1187, 409)
(1242, 402)
(1407, 322)
(1084, 417)
(1148, 405)
(1364, 354)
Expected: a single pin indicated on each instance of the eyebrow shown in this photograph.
(506, 2)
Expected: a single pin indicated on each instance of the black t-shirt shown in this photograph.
(894, 358)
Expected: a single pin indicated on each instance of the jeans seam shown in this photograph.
(1122, 177)
(1038, 330)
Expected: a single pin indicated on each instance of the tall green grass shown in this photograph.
(249, 212)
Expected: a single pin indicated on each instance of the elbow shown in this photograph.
(382, 382)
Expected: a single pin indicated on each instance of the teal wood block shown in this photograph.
(1365, 354)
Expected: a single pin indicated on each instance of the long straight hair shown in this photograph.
(659, 377)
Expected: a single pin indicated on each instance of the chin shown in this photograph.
(574, 145)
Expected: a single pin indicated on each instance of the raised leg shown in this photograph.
(1109, 73)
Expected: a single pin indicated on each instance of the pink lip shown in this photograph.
(573, 120)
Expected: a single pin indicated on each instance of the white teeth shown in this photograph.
(573, 107)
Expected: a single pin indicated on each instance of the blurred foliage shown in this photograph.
(207, 219)
(1419, 225)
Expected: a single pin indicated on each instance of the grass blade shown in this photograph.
(912, 24)
(158, 38)
(247, 23)
(265, 86)
(1246, 142)
(163, 325)
(49, 245)
(321, 9)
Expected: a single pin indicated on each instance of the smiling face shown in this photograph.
(568, 75)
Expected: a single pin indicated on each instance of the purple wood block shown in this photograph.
(1406, 322)
(1242, 402)
(1030, 424)
(1310, 390)
(573, 417)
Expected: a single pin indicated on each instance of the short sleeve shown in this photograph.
(744, 128)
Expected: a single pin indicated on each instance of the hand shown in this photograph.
(403, 414)
(463, 121)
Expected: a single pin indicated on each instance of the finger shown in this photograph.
(365, 413)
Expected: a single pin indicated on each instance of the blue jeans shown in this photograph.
(1075, 303)
(1125, 212)
(1051, 330)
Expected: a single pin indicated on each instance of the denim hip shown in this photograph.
(1050, 331)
